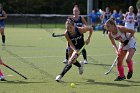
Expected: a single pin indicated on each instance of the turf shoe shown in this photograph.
(58, 78)
(120, 78)
(129, 75)
(3, 79)
(65, 61)
(81, 69)
(85, 62)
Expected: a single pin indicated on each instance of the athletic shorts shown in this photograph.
(2, 25)
(131, 44)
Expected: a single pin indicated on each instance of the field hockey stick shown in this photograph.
(113, 64)
(75, 56)
(14, 70)
(57, 35)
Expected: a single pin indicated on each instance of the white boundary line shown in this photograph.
(62, 56)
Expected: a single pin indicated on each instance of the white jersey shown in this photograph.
(129, 21)
(121, 37)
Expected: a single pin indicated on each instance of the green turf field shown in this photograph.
(39, 56)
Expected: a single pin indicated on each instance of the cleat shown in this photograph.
(120, 78)
(65, 61)
(81, 69)
(3, 44)
(129, 75)
(2, 79)
(58, 78)
(85, 62)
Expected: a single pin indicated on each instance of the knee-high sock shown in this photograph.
(77, 64)
(66, 68)
(1, 74)
(3, 38)
(84, 54)
(130, 66)
(120, 71)
(67, 55)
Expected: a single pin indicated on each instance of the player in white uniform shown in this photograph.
(128, 46)
(130, 19)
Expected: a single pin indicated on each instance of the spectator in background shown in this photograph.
(106, 16)
(115, 15)
(120, 18)
(93, 17)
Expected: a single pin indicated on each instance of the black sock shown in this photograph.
(104, 31)
(77, 64)
(67, 55)
(84, 54)
(3, 38)
(66, 68)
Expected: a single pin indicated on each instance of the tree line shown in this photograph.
(56, 6)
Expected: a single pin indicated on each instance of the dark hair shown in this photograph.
(70, 21)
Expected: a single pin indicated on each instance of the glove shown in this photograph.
(125, 42)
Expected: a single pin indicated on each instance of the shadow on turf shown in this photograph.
(21, 82)
(116, 84)
(91, 81)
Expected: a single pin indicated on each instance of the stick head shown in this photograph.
(106, 73)
(53, 35)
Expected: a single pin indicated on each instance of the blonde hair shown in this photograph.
(110, 21)
(130, 7)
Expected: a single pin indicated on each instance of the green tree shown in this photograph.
(138, 4)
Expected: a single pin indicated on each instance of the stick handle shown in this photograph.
(14, 70)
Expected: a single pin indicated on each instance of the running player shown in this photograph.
(1, 74)
(128, 46)
(130, 19)
(74, 36)
(3, 16)
(80, 22)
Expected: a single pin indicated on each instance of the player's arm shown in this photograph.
(84, 21)
(113, 43)
(126, 30)
(84, 30)
(4, 15)
(69, 41)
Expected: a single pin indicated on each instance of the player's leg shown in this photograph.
(1, 73)
(84, 53)
(129, 61)
(3, 35)
(104, 30)
(65, 69)
(80, 66)
(120, 67)
(2, 76)
(67, 54)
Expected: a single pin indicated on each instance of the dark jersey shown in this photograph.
(1, 15)
(77, 39)
(78, 22)
(2, 20)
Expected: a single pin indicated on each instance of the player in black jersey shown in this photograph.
(74, 36)
(80, 22)
(3, 16)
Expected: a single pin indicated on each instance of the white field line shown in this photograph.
(33, 57)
